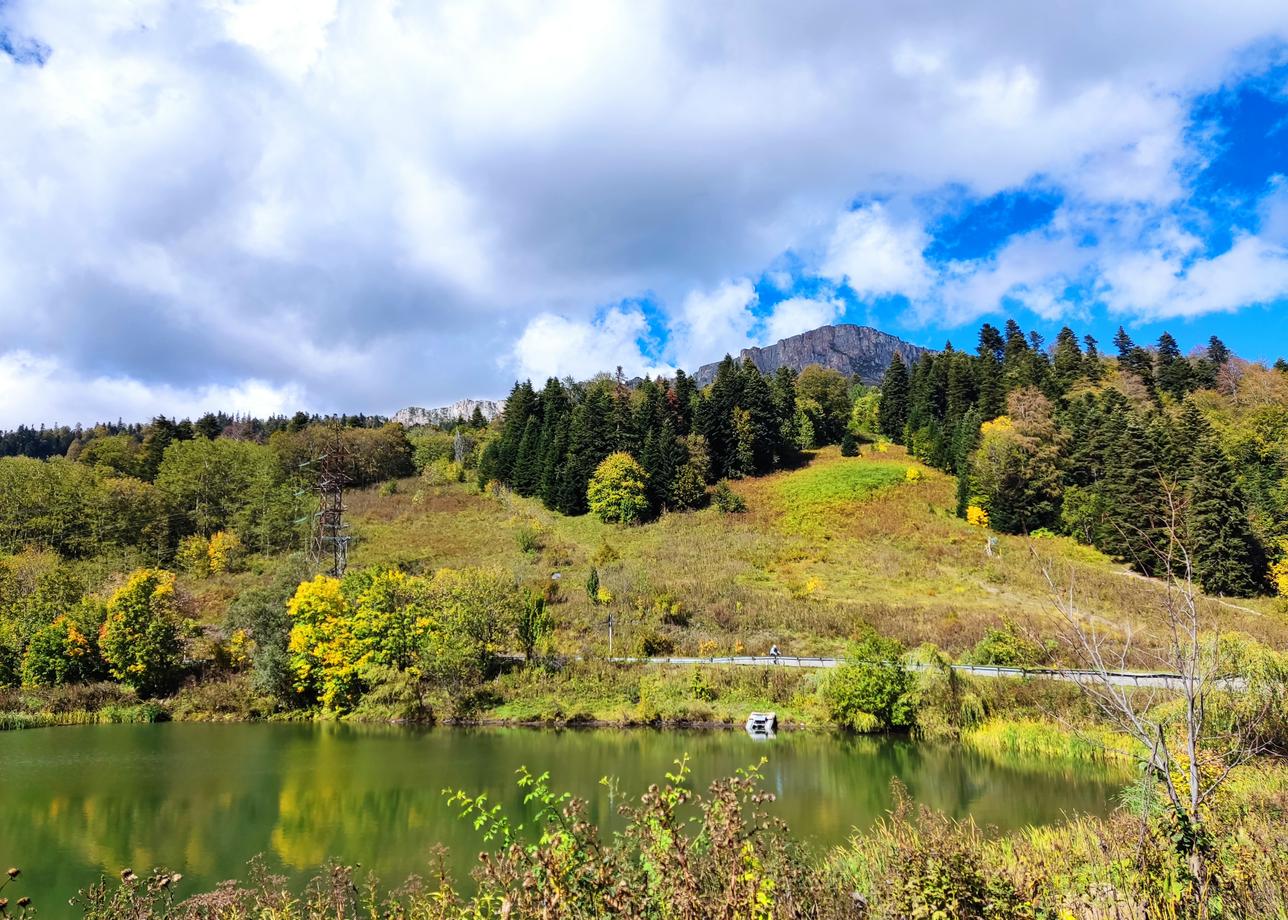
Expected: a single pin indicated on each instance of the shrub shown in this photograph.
(977, 517)
(652, 643)
(605, 553)
(726, 499)
(849, 445)
(670, 610)
(921, 863)
(389, 487)
(529, 538)
(66, 651)
(225, 552)
(913, 475)
(193, 556)
(872, 690)
(443, 471)
(1279, 571)
(1006, 648)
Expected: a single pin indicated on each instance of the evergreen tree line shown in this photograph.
(1113, 451)
(550, 442)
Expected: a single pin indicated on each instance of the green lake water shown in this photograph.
(81, 801)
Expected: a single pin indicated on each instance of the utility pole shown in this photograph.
(330, 541)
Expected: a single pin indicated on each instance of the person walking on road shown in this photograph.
(774, 653)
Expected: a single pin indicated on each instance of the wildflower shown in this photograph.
(24, 901)
(14, 873)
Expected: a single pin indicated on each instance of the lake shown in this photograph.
(203, 799)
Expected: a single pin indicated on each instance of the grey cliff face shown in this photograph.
(852, 350)
(463, 408)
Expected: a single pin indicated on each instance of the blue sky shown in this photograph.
(356, 205)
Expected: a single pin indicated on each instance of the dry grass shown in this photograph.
(822, 551)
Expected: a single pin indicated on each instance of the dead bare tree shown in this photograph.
(1194, 727)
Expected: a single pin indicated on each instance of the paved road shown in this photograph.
(1120, 678)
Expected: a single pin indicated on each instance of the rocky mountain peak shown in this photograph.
(445, 415)
(852, 350)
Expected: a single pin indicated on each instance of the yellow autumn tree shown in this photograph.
(1279, 571)
(224, 552)
(140, 638)
(616, 494)
(326, 658)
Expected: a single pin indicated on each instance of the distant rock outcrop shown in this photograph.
(846, 348)
(463, 408)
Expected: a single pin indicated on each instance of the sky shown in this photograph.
(358, 205)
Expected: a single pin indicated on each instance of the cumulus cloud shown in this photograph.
(799, 314)
(364, 202)
(710, 323)
(556, 346)
(875, 255)
(1160, 285)
(57, 394)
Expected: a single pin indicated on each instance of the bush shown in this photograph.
(670, 610)
(225, 552)
(726, 499)
(1005, 648)
(193, 556)
(920, 863)
(652, 643)
(873, 690)
(66, 651)
(530, 539)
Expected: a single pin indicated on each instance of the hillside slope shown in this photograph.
(822, 551)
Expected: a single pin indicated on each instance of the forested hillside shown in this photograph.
(1113, 452)
(166, 554)
(1110, 450)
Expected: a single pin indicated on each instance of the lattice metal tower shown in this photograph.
(330, 539)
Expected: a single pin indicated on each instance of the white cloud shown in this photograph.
(358, 197)
(874, 255)
(50, 393)
(712, 323)
(556, 346)
(799, 314)
(1159, 285)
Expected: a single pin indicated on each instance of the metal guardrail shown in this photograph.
(1072, 675)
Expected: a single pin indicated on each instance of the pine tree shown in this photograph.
(1133, 496)
(892, 413)
(758, 401)
(1091, 362)
(714, 417)
(553, 463)
(989, 382)
(592, 585)
(525, 476)
(849, 446)
(1226, 556)
(1171, 370)
(1068, 362)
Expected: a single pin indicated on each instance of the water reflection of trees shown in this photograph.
(203, 799)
